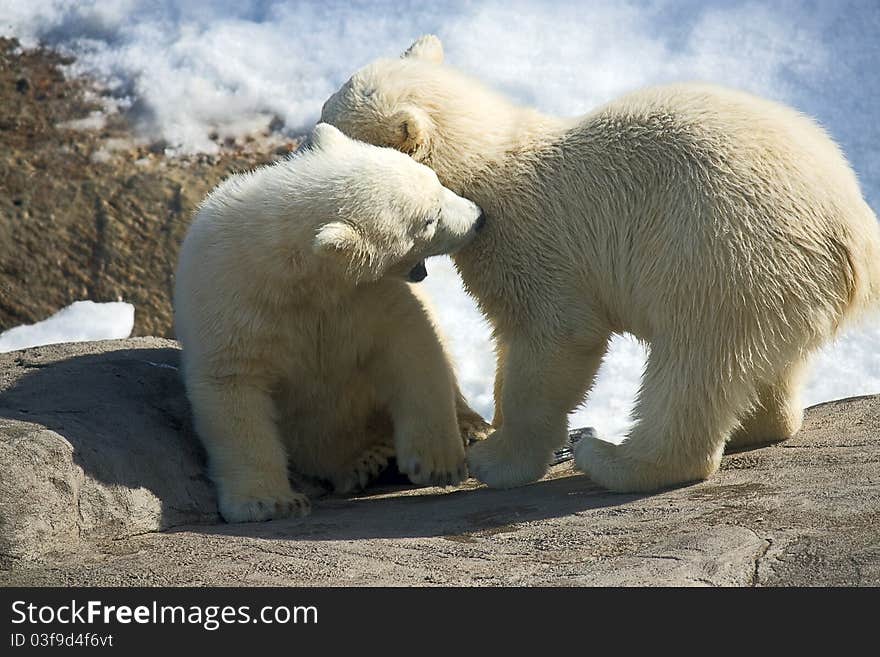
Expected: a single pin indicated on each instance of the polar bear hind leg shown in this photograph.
(366, 467)
(471, 424)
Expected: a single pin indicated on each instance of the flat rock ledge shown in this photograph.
(102, 483)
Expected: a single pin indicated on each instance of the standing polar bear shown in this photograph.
(302, 340)
(726, 231)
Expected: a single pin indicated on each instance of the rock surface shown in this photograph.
(88, 208)
(101, 483)
(95, 443)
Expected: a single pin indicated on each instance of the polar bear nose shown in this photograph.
(481, 222)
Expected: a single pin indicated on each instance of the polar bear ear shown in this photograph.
(325, 135)
(410, 130)
(427, 47)
(336, 237)
(345, 246)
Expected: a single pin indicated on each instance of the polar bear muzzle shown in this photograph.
(418, 273)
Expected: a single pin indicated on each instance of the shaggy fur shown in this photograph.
(302, 341)
(725, 231)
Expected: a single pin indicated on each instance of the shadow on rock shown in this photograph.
(455, 515)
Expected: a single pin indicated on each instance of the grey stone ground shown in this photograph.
(101, 484)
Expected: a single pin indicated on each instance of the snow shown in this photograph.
(78, 322)
(186, 70)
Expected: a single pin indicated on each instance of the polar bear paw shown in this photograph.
(366, 468)
(473, 429)
(441, 464)
(258, 508)
(611, 467)
(496, 463)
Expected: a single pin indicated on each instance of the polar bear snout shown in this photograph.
(460, 220)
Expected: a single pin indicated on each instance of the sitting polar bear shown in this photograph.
(726, 231)
(302, 340)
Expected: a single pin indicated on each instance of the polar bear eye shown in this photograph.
(430, 221)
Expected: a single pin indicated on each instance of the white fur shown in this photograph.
(303, 342)
(726, 231)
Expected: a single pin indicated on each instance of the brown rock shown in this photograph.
(90, 214)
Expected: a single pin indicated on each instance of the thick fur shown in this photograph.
(726, 231)
(303, 342)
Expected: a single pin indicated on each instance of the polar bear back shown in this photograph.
(680, 187)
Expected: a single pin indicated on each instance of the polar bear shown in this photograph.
(302, 340)
(725, 231)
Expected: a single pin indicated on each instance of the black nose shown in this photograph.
(481, 222)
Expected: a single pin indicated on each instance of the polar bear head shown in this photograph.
(417, 105)
(381, 212)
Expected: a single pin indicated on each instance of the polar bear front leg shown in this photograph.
(684, 413)
(544, 380)
(500, 364)
(247, 460)
(415, 377)
(778, 412)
